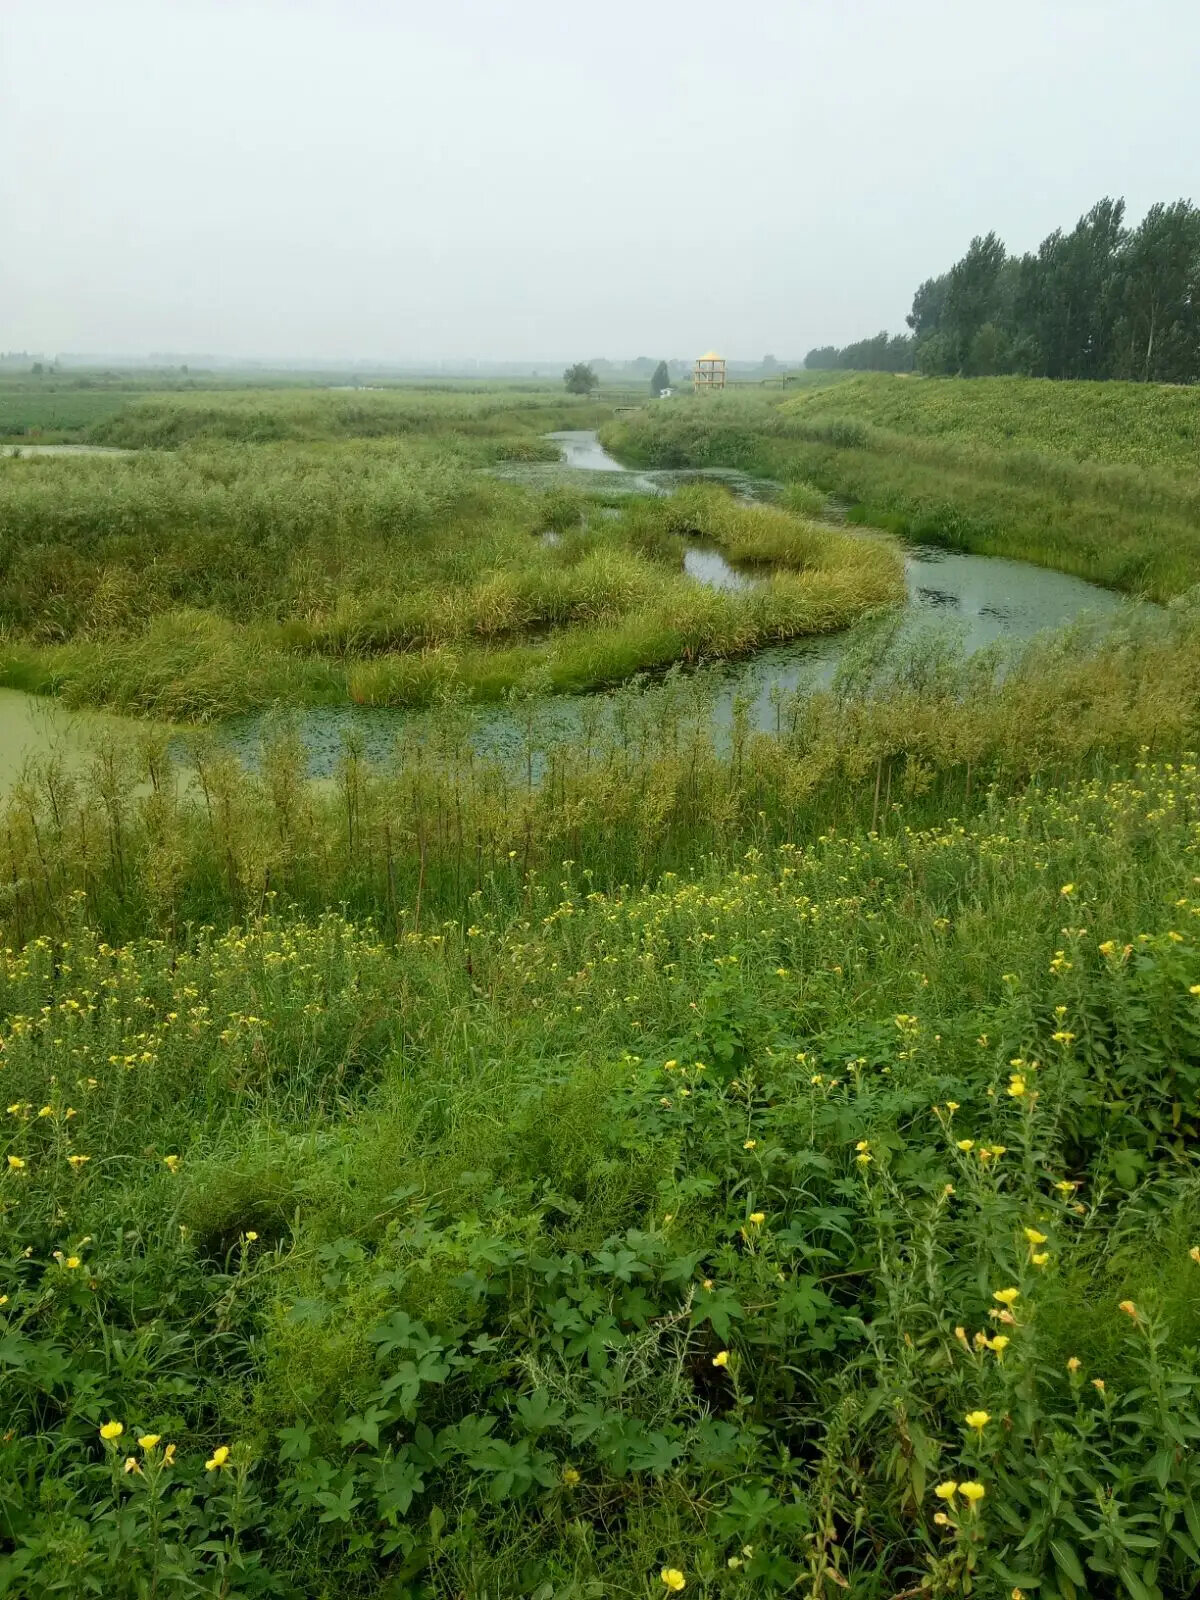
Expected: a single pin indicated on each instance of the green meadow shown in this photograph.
(670, 1157)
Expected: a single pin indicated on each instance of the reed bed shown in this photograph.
(225, 578)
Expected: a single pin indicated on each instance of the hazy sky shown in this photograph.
(520, 179)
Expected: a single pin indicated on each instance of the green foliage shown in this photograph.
(660, 379)
(625, 1230)
(1102, 301)
(879, 354)
(768, 1158)
(580, 379)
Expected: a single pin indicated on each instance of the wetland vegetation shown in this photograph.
(756, 1161)
(304, 548)
(1094, 479)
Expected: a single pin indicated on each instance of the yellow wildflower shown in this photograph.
(758, 1217)
(972, 1492)
(673, 1579)
(570, 1477)
(1040, 1257)
(169, 1456)
(977, 1420)
(112, 1430)
(1194, 1254)
(78, 1161)
(1098, 1384)
(721, 1359)
(1130, 1310)
(947, 1490)
(750, 1144)
(1068, 889)
(133, 1465)
(171, 1163)
(1000, 1344)
(942, 1520)
(1007, 1297)
(1016, 1086)
(1063, 1037)
(218, 1458)
(966, 1145)
(1034, 1236)
(16, 1163)
(1074, 1364)
(251, 1236)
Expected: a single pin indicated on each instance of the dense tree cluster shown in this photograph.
(880, 354)
(1102, 301)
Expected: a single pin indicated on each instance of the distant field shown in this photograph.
(1144, 424)
(57, 412)
(259, 416)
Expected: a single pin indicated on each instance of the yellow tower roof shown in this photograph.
(711, 355)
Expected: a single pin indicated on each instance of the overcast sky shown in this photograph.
(515, 179)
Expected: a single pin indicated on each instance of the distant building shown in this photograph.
(665, 394)
(709, 372)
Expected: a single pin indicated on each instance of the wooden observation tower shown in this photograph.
(708, 373)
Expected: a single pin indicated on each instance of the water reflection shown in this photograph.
(708, 566)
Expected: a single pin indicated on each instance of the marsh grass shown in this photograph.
(1087, 478)
(642, 783)
(225, 578)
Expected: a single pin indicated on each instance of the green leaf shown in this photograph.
(1067, 1561)
(538, 1412)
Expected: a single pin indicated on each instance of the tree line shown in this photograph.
(1101, 301)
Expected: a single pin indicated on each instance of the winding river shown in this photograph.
(979, 600)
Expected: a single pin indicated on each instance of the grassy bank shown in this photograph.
(1088, 478)
(719, 1227)
(633, 787)
(226, 576)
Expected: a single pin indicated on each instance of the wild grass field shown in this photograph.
(821, 1214)
(681, 1159)
(308, 548)
(1096, 479)
(42, 415)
